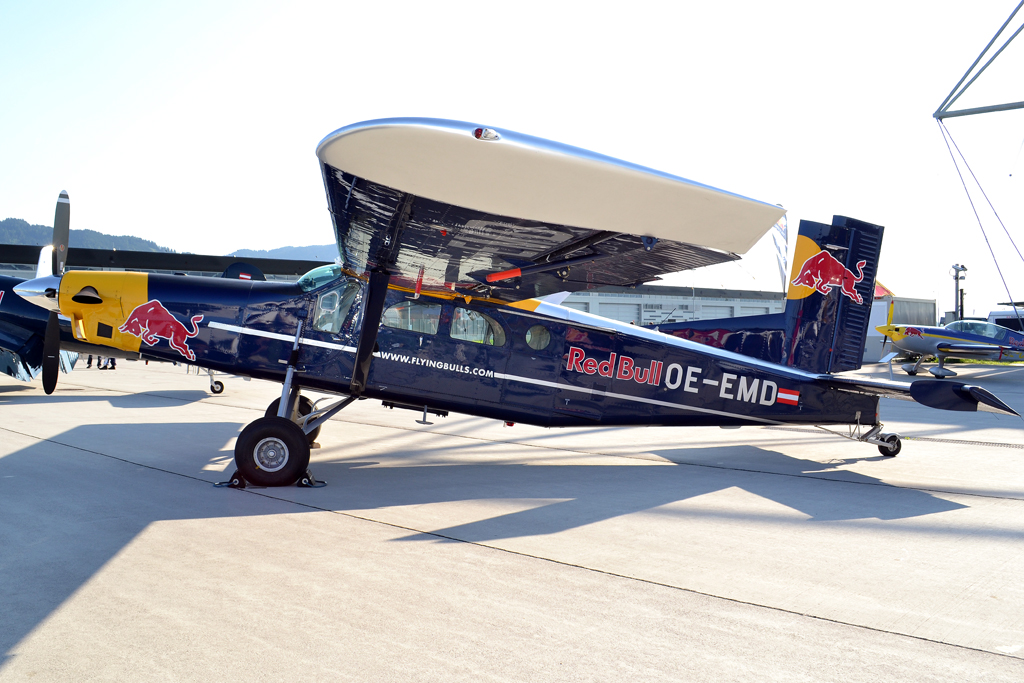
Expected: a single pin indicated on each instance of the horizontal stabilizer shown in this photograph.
(945, 395)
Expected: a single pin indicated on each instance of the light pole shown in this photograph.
(958, 304)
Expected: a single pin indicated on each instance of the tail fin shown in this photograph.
(828, 304)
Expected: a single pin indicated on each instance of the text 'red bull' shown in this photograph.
(626, 370)
(150, 321)
(823, 271)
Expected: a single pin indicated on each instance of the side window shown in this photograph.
(413, 316)
(954, 326)
(476, 327)
(333, 306)
(538, 337)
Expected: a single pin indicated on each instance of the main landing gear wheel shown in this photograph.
(272, 451)
(217, 387)
(305, 408)
(895, 444)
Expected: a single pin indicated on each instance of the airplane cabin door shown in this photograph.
(535, 362)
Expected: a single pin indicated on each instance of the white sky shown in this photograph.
(194, 124)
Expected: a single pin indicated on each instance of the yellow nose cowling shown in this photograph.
(98, 323)
(893, 332)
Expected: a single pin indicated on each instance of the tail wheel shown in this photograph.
(217, 387)
(305, 408)
(272, 451)
(893, 447)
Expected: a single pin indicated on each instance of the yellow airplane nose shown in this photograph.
(887, 330)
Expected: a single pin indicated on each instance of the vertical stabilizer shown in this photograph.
(828, 304)
(830, 293)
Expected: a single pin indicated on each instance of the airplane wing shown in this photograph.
(967, 349)
(445, 205)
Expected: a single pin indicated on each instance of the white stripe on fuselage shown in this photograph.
(281, 337)
(637, 399)
(500, 375)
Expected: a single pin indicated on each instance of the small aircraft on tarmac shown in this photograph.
(24, 350)
(450, 236)
(960, 339)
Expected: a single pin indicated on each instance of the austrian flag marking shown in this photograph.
(789, 396)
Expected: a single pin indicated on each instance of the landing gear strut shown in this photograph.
(274, 450)
(888, 444)
(911, 369)
(300, 409)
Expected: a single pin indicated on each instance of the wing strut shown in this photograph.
(376, 294)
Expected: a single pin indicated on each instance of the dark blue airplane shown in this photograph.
(450, 237)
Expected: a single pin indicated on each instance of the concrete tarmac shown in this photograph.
(466, 550)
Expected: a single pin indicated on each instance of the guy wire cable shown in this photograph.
(945, 135)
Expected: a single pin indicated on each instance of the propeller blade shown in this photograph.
(61, 233)
(51, 353)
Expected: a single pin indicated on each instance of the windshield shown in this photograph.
(319, 277)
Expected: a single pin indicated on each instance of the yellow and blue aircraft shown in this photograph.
(974, 339)
(450, 236)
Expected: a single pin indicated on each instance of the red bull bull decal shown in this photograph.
(152, 321)
(823, 272)
(913, 332)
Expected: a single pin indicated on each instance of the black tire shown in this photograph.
(272, 451)
(305, 408)
(217, 387)
(894, 447)
(911, 373)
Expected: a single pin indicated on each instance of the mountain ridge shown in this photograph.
(19, 231)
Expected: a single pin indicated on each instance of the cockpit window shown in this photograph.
(476, 327)
(955, 326)
(333, 306)
(318, 277)
(984, 330)
(413, 316)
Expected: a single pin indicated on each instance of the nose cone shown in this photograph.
(41, 291)
(886, 330)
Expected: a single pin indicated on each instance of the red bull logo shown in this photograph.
(151, 321)
(823, 272)
(913, 332)
(627, 368)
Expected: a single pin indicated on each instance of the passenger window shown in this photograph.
(476, 327)
(413, 316)
(333, 306)
(538, 337)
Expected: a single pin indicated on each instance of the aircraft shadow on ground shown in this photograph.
(66, 510)
(592, 493)
(150, 399)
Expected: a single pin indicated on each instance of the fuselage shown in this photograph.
(531, 361)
